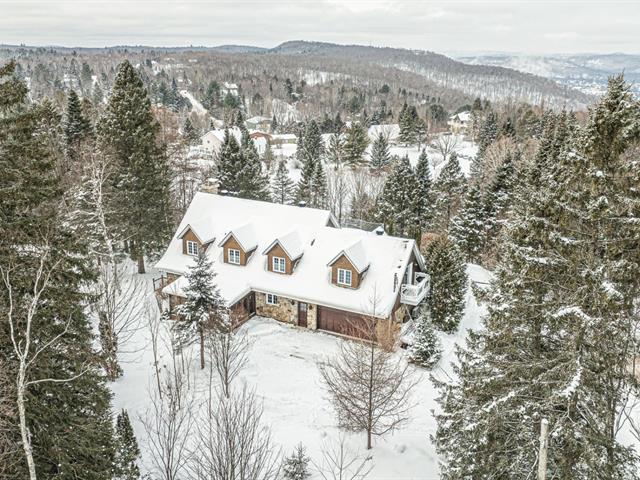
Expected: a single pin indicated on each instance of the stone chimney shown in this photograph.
(210, 185)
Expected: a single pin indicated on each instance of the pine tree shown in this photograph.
(425, 204)
(189, 132)
(203, 307)
(296, 466)
(311, 147)
(447, 270)
(69, 422)
(335, 150)
(143, 177)
(282, 187)
(319, 196)
(555, 343)
(274, 124)
(230, 163)
(425, 349)
(380, 156)
(355, 144)
(76, 127)
(497, 199)
(397, 209)
(469, 227)
(127, 452)
(253, 182)
(449, 189)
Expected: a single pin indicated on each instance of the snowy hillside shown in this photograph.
(283, 370)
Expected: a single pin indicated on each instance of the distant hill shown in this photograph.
(585, 72)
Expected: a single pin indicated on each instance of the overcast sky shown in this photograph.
(536, 26)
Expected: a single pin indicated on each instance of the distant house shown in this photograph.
(295, 265)
(231, 88)
(283, 139)
(391, 131)
(213, 139)
(259, 123)
(459, 122)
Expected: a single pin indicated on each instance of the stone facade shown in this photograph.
(285, 311)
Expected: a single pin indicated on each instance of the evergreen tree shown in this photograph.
(335, 150)
(282, 187)
(274, 124)
(556, 338)
(230, 163)
(190, 133)
(397, 209)
(311, 147)
(380, 156)
(254, 183)
(450, 188)
(296, 466)
(469, 225)
(355, 144)
(128, 133)
(446, 267)
(319, 196)
(127, 452)
(68, 420)
(425, 349)
(203, 307)
(497, 199)
(424, 193)
(76, 127)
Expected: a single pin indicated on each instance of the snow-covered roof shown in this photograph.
(461, 117)
(356, 254)
(245, 235)
(291, 243)
(298, 230)
(284, 136)
(219, 133)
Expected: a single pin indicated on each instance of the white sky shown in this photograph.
(535, 26)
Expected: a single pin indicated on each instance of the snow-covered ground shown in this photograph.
(196, 106)
(283, 371)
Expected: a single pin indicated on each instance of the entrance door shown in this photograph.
(250, 304)
(302, 314)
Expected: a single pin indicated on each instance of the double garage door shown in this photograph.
(344, 323)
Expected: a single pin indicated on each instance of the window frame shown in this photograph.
(191, 245)
(345, 271)
(231, 256)
(277, 261)
(271, 299)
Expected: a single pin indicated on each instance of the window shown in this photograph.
(279, 265)
(344, 277)
(192, 248)
(233, 256)
(272, 299)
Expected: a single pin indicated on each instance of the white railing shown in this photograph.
(414, 294)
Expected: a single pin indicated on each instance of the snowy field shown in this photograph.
(283, 371)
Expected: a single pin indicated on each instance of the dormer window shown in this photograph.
(279, 264)
(344, 277)
(233, 256)
(192, 248)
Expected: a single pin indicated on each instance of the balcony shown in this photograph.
(414, 294)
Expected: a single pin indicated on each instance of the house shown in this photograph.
(213, 139)
(459, 122)
(294, 264)
(257, 134)
(259, 123)
(279, 140)
(391, 131)
(231, 88)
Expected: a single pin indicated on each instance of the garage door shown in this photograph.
(344, 323)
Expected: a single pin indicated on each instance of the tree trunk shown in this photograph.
(141, 264)
(24, 431)
(369, 439)
(201, 348)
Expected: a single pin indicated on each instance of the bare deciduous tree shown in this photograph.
(232, 441)
(168, 423)
(369, 386)
(8, 446)
(446, 144)
(337, 192)
(340, 463)
(228, 353)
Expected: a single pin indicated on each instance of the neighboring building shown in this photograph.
(256, 134)
(283, 139)
(213, 139)
(294, 264)
(231, 88)
(459, 122)
(259, 123)
(390, 130)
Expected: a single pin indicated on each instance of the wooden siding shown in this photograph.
(232, 244)
(344, 263)
(189, 236)
(277, 251)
